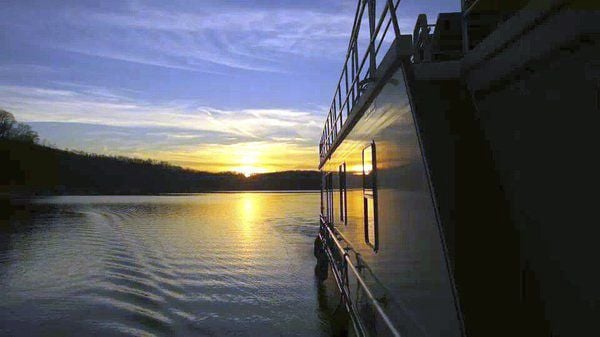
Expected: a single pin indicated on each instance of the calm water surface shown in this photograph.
(236, 264)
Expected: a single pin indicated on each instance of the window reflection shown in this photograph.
(343, 194)
(369, 169)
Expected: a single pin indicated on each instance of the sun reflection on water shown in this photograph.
(248, 209)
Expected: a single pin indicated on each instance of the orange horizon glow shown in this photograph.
(244, 158)
(249, 171)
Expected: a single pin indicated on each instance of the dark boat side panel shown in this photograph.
(410, 261)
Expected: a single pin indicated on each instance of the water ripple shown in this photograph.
(193, 265)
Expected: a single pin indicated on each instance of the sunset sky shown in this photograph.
(211, 85)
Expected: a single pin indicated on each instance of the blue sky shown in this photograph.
(212, 85)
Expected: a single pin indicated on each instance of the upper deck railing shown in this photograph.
(468, 4)
(356, 72)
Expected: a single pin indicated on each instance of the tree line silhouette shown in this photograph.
(31, 168)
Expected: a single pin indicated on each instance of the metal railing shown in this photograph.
(341, 262)
(468, 5)
(355, 77)
(422, 39)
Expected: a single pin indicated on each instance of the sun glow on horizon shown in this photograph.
(247, 158)
(248, 161)
(249, 171)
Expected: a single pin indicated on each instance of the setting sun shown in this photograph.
(248, 171)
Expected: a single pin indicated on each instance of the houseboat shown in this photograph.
(458, 176)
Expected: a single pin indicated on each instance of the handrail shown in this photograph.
(344, 290)
(348, 263)
(354, 88)
(468, 5)
(422, 39)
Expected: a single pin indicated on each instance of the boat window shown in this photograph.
(329, 184)
(343, 202)
(323, 194)
(370, 195)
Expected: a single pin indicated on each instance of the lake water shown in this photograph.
(218, 264)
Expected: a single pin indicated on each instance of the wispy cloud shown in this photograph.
(249, 38)
(208, 40)
(25, 69)
(103, 107)
(101, 119)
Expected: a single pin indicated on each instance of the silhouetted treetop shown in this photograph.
(11, 129)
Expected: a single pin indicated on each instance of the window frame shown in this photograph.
(323, 188)
(370, 195)
(343, 194)
(329, 197)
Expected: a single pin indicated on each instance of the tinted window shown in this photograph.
(370, 195)
(343, 201)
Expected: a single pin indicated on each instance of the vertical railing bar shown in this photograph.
(372, 64)
(341, 112)
(330, 129)
(333, 107)
(393, 15)
(327, 139)
(356, 79)
(340, 97)
(357, 23)
(383, 36)
(353, 75)
(327, 135)
(347, 105)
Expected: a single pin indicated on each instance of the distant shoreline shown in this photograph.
(25, 196)
(247, 191)
(36, 170)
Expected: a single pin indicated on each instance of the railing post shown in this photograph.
(373, 57)
(320, 157)
(340, 96)
(346, 278)
(353, 80)
(392, 10)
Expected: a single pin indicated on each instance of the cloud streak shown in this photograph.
(100, 120)
(102, 107)
(208, 40)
